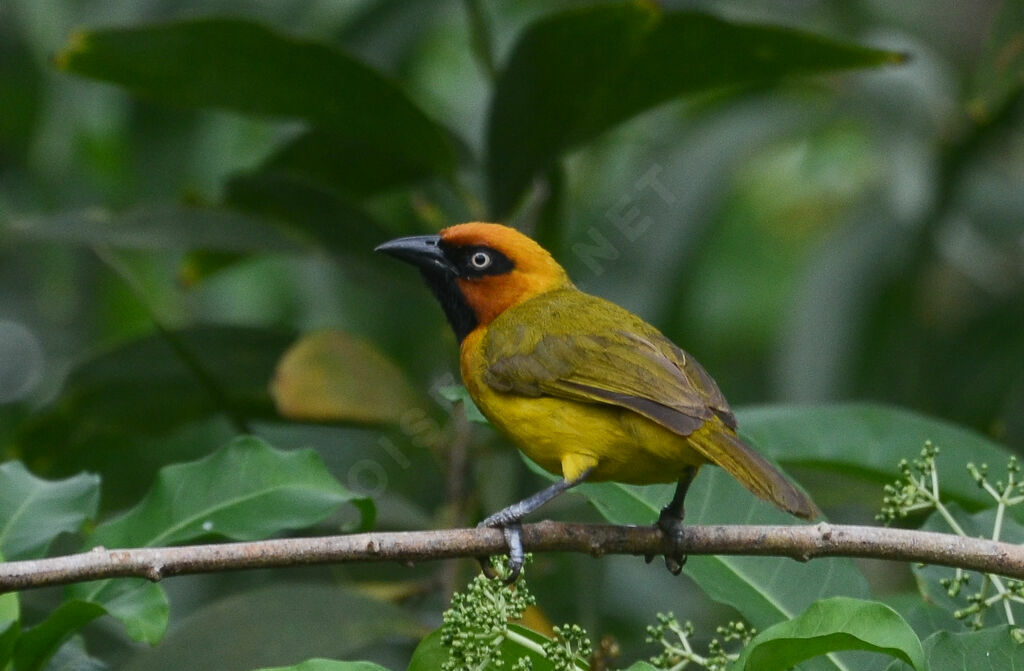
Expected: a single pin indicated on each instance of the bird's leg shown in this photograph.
(508, 520)
(670, 521)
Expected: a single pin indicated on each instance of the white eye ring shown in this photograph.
(480, 260)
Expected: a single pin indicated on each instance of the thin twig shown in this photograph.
(408, 547)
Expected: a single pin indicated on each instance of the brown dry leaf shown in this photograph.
(331, 376)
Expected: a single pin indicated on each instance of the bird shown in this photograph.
(583, 387)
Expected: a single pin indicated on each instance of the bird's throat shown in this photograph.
(445, 288)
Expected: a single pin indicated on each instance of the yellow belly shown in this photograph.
(566, 437)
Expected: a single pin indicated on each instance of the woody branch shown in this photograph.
(409, 547)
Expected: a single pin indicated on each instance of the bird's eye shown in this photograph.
(480, 260)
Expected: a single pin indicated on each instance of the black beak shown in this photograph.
(422, 251)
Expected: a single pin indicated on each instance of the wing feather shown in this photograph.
(612, 357)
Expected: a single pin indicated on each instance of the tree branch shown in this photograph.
(799, 542)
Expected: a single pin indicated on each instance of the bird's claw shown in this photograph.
(513, 532)
(675, 562)
(672, 527)
(514, 540)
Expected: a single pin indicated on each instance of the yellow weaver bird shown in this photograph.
(583, 387)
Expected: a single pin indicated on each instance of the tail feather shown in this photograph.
(721, 446)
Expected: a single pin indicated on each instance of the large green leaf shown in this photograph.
(242, 66)
(10, 616)
(34, 511)
(321, 217)
(347, 164)
(430, 654)
(144, 390)
(869, 440)
(986, 650)
(163, 227)
(38, 644)
(765, 590)
(577, 73)
(158, 382)
(832, 625)
(73, 656)
(141, 606)
(244, 491)
(22, 97)
(278, 623)
(925, 617)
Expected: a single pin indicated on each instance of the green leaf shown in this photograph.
(331, 376)
(22, 97)
(328, 665)
(10, 627)
(430, 654)
(925, 617)
(278, 623)
(575, 74)
(349, 165)
(34, 511)
(157, 227)
(41, 642)
(765, 590)
(869, 440)
(832, 625)
(73, 656)
(245, 67)
(991, 649)
(244, 491)
(141, 606)
(153, 384)
(320, 217)
(10, 609)
(146, 389)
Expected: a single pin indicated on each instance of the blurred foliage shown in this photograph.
(190, 193)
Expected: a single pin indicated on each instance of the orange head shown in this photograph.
(477, 271)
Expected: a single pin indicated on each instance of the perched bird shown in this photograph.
(586, 389)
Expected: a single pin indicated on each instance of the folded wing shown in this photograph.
(613, 357)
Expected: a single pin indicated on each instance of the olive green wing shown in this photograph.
(575, 346)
